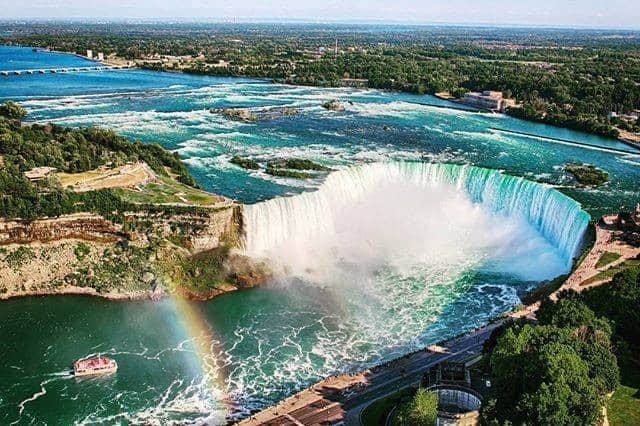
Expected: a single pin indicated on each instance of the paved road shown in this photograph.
(342, 399)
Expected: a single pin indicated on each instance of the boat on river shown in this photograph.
(94, 366)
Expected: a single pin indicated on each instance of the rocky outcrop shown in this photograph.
(81, 226)
(88, 254)
(195, 232)
(241, 114)
(333, 105)
(261, 114)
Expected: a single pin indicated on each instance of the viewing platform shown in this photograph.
(6, 73)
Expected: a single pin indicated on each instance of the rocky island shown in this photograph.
(295, 168)
(587, 174)
(249, 115)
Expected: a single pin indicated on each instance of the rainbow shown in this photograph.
(207, 364)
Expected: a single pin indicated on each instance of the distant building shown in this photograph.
(488, 100)
(89, 53)
(632, 116)
(100, 56)
(39, 173)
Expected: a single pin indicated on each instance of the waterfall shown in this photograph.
(558, 218)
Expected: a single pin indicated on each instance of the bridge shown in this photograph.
(6, 73)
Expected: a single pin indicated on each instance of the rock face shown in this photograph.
(215, 227)
(197, 232)
(242, 114)
(81, 226)
(85, 253)
(333, 105)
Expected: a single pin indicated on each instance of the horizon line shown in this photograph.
(314, 21)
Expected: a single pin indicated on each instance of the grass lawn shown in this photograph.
(607, 258)
(609, 273)
(167, 190)
(376, 413)
(67, 179)
(624, 405)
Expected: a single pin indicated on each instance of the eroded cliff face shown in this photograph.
(145, 256)
(195, 232)
(81, 226)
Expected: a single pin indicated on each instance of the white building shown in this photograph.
(487, 100)
(89, 53)
(100, 56)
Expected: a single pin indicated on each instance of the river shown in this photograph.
(414, 256)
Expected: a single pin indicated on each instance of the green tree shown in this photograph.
(540, 378)
(620, 302)
(591, 337)
(12, 111)
(568, 311)
(422, 410)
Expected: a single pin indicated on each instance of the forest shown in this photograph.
(560, 370)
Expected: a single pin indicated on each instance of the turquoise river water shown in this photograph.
(435, 220)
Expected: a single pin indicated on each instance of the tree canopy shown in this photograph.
(422, 410)
(23, 147)
(12, 111)
(620, 302)
(556, 372)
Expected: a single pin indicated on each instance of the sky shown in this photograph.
(558, 13)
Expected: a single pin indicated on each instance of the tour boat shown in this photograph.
(95, 365)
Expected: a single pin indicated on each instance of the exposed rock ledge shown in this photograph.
(81, 226)
(86, 291)
(189, 254)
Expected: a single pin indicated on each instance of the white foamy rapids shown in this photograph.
(405, 214)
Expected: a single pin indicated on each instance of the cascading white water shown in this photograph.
(313, 215)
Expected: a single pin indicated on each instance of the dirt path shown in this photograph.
(127, 176)
(606, 241)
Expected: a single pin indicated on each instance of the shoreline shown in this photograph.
(131, 296)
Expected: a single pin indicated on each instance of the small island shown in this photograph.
(297, 164)
(240, 114)
(251, 115)
(245, 163)
(296, 168)
(587, 174)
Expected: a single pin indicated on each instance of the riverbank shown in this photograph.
(624, 137)
(86, 291)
